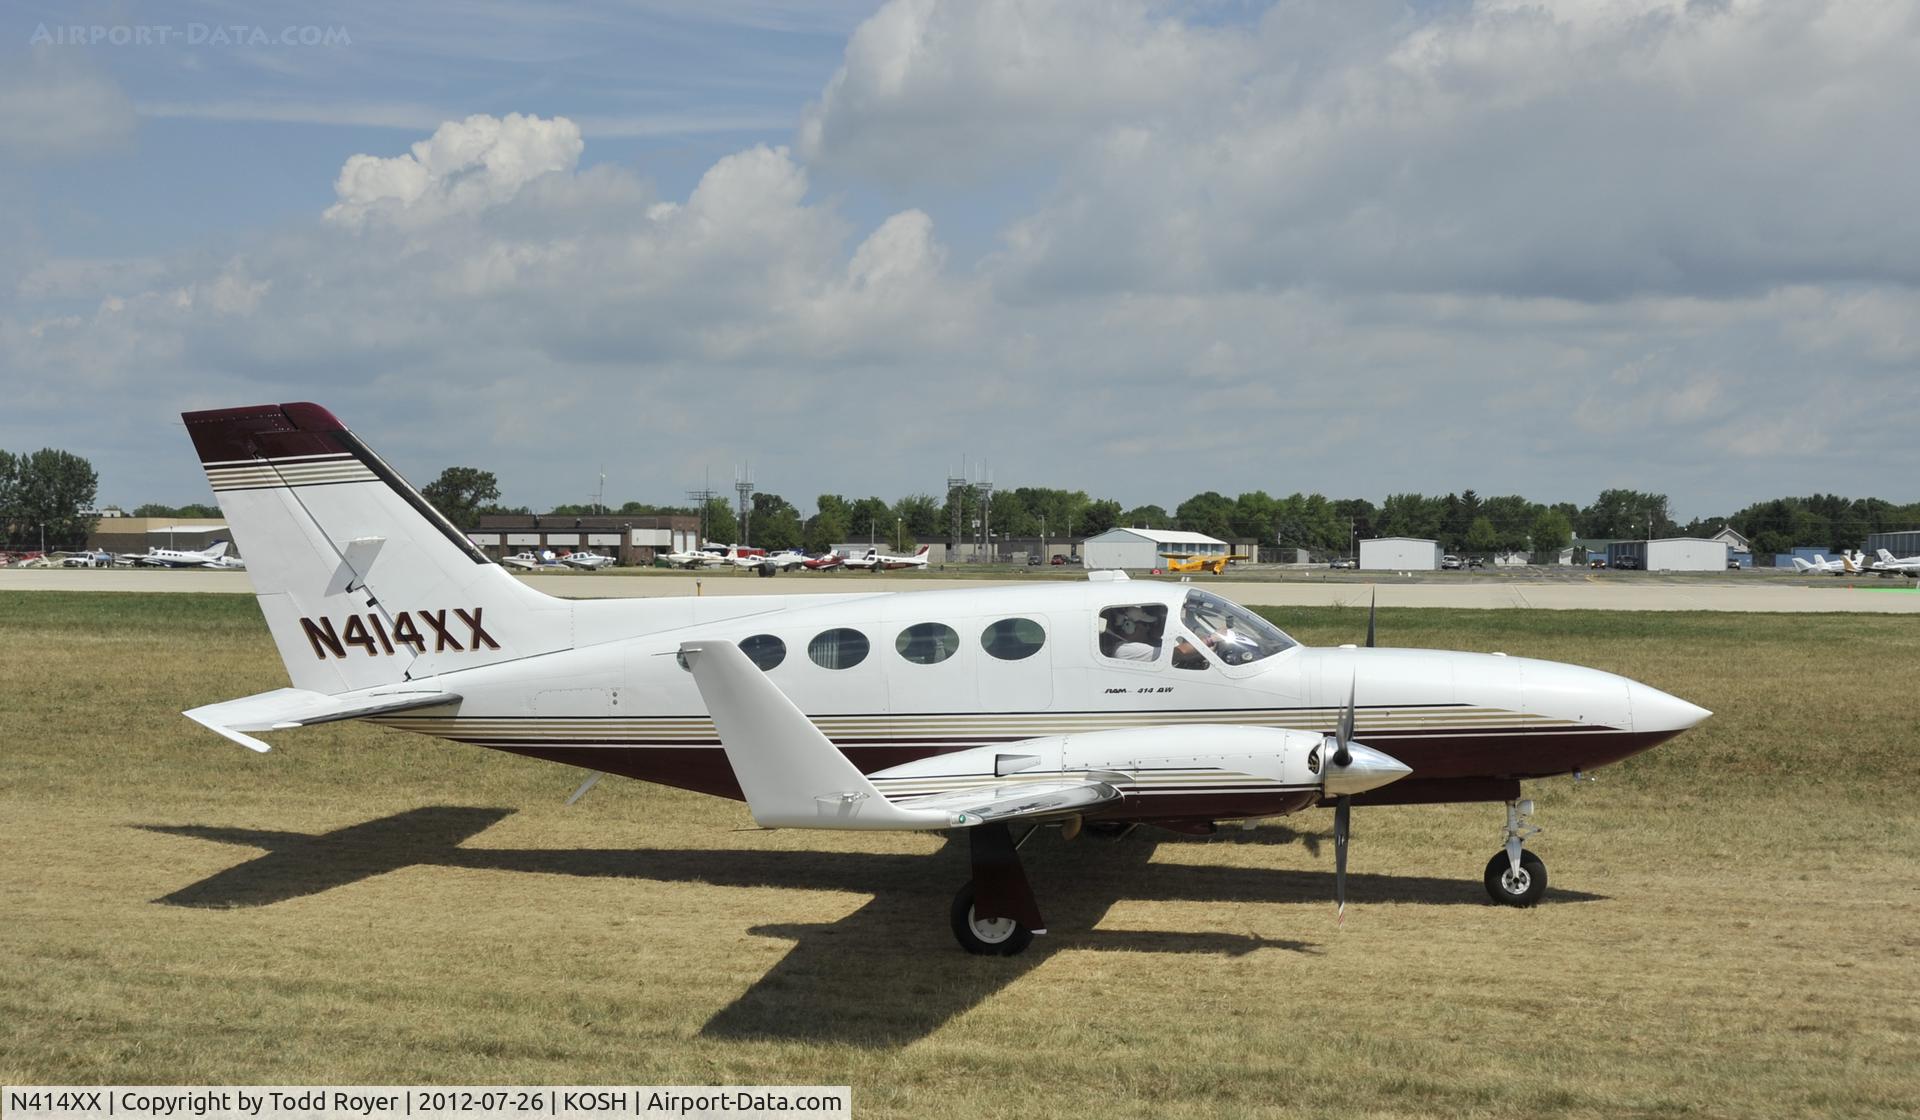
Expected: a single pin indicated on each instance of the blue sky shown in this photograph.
(1142, 249)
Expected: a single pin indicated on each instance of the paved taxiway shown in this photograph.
(1490, 592)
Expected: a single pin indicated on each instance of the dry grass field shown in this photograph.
(1734, 929)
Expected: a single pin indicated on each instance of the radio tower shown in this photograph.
(956, 497)
(985, 489)
(743, 485)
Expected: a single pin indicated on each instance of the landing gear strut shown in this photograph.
(1515, 876)
(995, 915)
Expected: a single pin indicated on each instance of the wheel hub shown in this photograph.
(993, 931)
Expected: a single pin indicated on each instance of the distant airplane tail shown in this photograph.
(215, 550)
(1885, 556)
(923, 550)
(1800, 565)
(362, 582)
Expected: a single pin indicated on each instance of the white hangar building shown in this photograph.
(1399, 554)
(1673, 554)
(1141, 548)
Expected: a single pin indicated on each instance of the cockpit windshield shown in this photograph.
(1236, 635)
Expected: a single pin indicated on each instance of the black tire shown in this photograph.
(1526, 889)
(995, 943)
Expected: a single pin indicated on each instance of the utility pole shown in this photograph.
(703, 499)
(743, 485)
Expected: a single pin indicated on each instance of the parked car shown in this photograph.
(1033, 559)
(1477, 562)
(1596, 563)
(1628, 563)
(1341, 562)
(1733, 565)
(1058, 560)
(1451, 563)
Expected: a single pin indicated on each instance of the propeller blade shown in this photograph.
(1342, 818)
(1372, 605)
(1344, 733)
(584, 787)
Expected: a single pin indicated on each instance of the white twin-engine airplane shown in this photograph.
(213, 556)
(1110, 702)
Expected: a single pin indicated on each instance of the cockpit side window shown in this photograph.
(1133, 633)
(1235, 634)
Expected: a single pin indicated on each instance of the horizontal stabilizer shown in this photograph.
(297, 707)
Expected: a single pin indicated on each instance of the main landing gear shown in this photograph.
(995, 915)
(1515, 876)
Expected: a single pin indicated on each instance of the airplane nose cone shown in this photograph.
(1370, 769)
(1654, 710)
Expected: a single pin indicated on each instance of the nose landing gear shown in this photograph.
(1515, 876)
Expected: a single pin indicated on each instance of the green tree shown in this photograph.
(921, 515)
(869, 519)
(828, 527)
(459, 493)
(1146, 517)
(1255, 515)
(1551, 533)
(776, 524)
(1098, 517)
(1482, 538)
(9, 495)
(720, 524)
(1512, 517)
(1410, 515)
(1626, 514)
(50, 488)
(1210, 513)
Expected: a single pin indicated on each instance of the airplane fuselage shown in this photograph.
(891, 678)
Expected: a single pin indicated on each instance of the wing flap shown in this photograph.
(297, 707)
(1019, 800)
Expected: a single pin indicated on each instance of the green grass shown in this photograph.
(1732, 932)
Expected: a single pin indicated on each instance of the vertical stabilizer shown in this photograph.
(362, 582)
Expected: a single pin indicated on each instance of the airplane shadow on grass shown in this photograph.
(809, 995)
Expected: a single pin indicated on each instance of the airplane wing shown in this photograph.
(296, 707)
(794, 777)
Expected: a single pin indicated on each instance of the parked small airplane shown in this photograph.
(1846, 565)
(531, 561)
(1889, 565)
(826, 561)
(1106, 701)
(211, 556)
(1192, 562)
(877, 561)
(587, 561)
(770, 563)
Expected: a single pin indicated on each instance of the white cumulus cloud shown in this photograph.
(464, 166)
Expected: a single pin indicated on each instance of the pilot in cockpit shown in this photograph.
(1132, 633)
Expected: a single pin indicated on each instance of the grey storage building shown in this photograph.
(1141, 548)
(1396, 554)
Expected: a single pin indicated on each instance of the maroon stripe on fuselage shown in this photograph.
(1492, 756)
